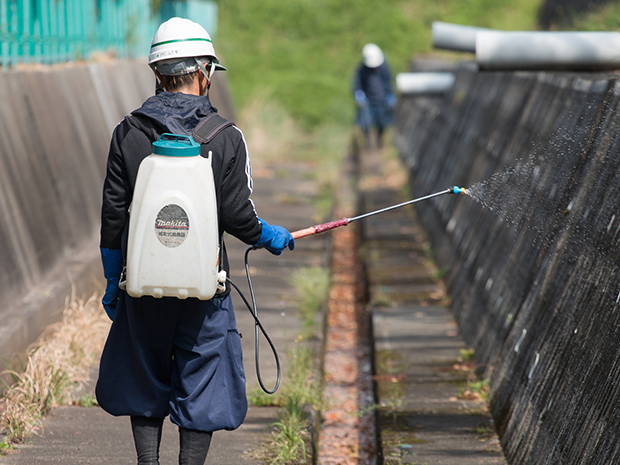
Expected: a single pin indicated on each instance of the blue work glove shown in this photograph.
(360, 99)
(112, 260)
(391, 100)
(275, 238)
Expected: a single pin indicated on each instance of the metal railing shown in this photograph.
(54, 31)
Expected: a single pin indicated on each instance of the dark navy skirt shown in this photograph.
(174, 357)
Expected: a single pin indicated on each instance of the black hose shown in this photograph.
(257, 325)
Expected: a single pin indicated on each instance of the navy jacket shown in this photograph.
(376, 83)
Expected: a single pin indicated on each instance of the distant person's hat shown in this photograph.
(373, 56)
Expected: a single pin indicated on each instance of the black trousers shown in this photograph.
(194, 444)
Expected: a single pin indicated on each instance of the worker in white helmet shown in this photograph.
(372, 90)
(170, 357)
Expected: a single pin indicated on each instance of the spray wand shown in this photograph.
(319, 228)
(296, 235)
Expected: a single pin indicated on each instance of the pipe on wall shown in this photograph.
(496, 50)
(456, 37)
(424, 83)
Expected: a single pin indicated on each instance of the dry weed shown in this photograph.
(56, 367)
(271, 134)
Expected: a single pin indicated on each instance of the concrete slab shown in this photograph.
(421, 418)
(75, 435)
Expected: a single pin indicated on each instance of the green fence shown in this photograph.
(53, 31)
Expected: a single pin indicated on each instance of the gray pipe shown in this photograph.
(455, 37)
(497, 50)
(424, 83)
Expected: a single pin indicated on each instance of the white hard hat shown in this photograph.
(176, 45)
(373, 56)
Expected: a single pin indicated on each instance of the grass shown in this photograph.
(302, 54)
(54, 370)
(604, 18)
(300, 393)
(467, 355)
(475, 388)
(302, 390)
(311, 285)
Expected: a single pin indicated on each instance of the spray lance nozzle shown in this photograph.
(344, 221)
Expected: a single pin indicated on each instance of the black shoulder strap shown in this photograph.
(203, 133)
(209, 127)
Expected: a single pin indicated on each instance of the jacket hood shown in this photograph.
(176, 113)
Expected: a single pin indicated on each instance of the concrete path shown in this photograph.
(420, 418)
(76, 435)
(417, 346)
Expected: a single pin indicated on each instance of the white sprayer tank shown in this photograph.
(173, 246)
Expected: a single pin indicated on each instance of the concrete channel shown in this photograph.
(426, 412)
(415, 413)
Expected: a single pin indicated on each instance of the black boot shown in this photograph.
(194, 446)
(147, 436)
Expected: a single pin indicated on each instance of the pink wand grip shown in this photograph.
(319, 228)
(303, 232)
(331, 225)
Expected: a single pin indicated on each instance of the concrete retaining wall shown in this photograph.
(558, 14)
(535, 282)
(55, 128)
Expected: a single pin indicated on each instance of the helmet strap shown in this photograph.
(204, 70)
(206, 74)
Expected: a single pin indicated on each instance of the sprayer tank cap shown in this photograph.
(176, 145)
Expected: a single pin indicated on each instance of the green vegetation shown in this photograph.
(302, 54)
(87, 400)
(302, 389)
(475, 390)
(5, 447)
(291, 438)
(312, 286)
(604, 18)
(468, 355)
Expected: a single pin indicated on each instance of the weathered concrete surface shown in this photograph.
(347, 432)
(420, 417)
(55, 126)
(75, 435)
(534, 282)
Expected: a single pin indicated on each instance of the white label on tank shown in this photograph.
(171, 225)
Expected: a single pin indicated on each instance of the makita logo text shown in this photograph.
(174, 224)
